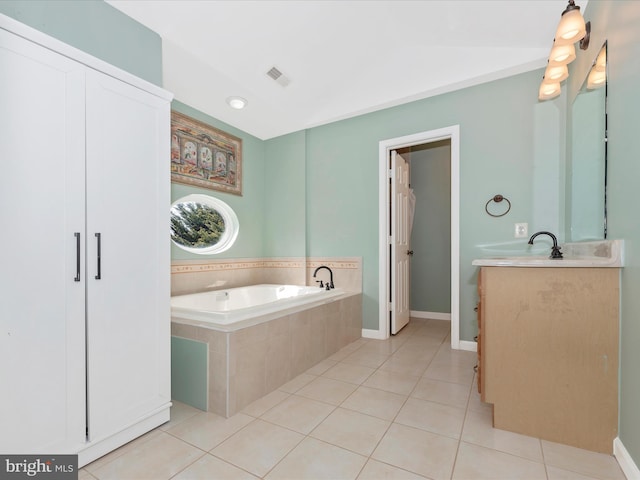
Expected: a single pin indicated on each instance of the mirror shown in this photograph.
(203, 224)
(588, 158)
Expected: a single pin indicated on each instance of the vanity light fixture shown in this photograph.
(237, 103)
(596, 79)
(571, 29)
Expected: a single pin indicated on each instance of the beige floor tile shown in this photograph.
(384, 347)
(320, 368)
(554, 473)
(395, 382)
(375, 402)
(375, 470)
(206, 430)
(366, 358)
(442, 392)
(327, 390)
(479, 463)
(417, 451)
(434, 417)
(478, 430)
(84, 475)
(350, 373)
(405, 366)
(209, 467)
(475, 403)
(297, 383)
(581, 461)
(313, 459)
(449, 372)
(351, 430)
(160, 458)
(299, 413)
(258, 447)
(179, 412)
(265, 403)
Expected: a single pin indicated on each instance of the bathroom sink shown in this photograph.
(606, 253)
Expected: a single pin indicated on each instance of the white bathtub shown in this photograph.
(235, 308)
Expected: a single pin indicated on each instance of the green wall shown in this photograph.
(431, 233)
(250, 207)
(96, 28)
(618, 22)
(498, 154)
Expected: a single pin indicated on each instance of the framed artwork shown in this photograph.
(204, 156)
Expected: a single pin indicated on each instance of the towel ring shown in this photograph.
(497, 199)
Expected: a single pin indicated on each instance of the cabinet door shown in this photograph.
(42, 367)
(128, 322)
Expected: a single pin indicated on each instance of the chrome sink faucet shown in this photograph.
(329, 284)
(556, 254)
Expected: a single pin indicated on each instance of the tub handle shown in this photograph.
(99, 256)
(77, 277)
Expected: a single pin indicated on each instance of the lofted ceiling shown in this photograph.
(341, 58)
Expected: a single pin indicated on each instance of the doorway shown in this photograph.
(386, 218)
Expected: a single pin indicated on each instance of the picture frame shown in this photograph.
(203, 156)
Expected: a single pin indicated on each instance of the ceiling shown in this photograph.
(342, 58)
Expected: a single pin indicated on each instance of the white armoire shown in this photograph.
(84, 250)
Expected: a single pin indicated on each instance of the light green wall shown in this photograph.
(431, 233)
(498, 154)
(619, 23)
(96, 28)
(285, 199)
(250, 207)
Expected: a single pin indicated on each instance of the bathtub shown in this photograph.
(235, 308)
(239, 344)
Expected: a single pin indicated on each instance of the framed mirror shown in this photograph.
(588, 144)
(202, 224)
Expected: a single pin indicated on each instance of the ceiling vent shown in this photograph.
(277, 75)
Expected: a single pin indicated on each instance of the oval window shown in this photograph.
(203, 224)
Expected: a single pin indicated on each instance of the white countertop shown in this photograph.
(606, 254)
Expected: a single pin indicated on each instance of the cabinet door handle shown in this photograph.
(99, 254)
(77, 277)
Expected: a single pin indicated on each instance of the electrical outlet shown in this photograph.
(522, 230)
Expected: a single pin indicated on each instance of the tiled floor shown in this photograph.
(403, 408)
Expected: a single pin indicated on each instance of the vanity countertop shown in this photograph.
(601, 254)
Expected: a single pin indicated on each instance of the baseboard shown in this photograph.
(375, 334)
(628, 466)
(468, 346)
(430, 315)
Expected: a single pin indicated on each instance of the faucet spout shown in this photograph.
(330, 282)
(556, 254)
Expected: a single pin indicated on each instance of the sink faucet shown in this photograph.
(556, 254)
(330, 282)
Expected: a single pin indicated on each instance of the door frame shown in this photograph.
(451, 133)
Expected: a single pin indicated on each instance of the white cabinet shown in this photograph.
(84, 330)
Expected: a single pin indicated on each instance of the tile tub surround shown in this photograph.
(192, 276)
(247, 364)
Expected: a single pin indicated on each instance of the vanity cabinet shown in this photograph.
(84, 316)
(549, 352)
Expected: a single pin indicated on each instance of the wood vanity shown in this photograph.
(548, 351)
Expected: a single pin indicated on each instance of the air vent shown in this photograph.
(277, 75)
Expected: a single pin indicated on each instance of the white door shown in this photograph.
(42, 281)
(399, 242)
(128, 293)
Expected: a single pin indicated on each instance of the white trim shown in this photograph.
(385, 146)
(628, 466)
(430, 315)
(374, 334)
(468, 346)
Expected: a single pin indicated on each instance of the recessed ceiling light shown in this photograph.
(237, 102)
